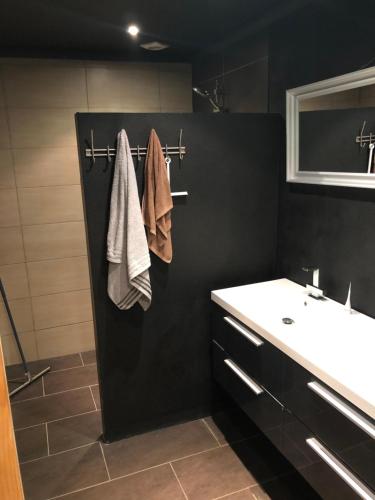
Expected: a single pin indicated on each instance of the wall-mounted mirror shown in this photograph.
(331, 131)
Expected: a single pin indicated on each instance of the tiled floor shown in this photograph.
(58, 425)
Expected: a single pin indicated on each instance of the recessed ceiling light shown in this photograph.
(133, 30)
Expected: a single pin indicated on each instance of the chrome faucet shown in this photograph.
(314, 290)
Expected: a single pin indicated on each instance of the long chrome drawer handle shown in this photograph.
(343, 408)
(345, 474)
(250, 336)
(244, 377)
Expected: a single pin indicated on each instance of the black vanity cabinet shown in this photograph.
(325, 437)
(340, 426)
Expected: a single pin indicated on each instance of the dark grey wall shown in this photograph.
(330, 227)
(243, 70)
(154, 367)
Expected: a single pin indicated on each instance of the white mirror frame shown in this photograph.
(293, 97)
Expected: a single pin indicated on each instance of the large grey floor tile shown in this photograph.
(158, 483)
(157, 447)
(66, 404)
(212, 474)
(58, 363)
(31, 443)
(96, 395)
(70, 379)
(231, 425)
(63, 473)
(33, 390)
(74, 431)
(88, 357)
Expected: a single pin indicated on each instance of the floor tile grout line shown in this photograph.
(80, 355)
(105, 461)
(92, 395)
(48, 453)
(55, 420)
(54, 393)
(178, 480)
(211, 431)
(135, 472)
(233, 492)
(59, 453)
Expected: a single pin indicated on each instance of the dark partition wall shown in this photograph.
(154, 367)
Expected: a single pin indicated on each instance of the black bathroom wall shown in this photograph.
(327, 226)
(154, 367)
(330, 227)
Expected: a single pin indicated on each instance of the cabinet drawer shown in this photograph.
(328, 475)
(264, 411)
(240, 343)
(339, 425)
(259, 358)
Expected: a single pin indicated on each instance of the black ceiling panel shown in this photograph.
(93, 28)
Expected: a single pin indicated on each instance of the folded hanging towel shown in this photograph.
(127, 250)
(157, 201)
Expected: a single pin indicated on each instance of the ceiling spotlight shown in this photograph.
(133, 30)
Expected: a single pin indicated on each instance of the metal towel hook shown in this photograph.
(92, 146)
(109, 159)
(362, 144)
(180, 144)
(138, 154)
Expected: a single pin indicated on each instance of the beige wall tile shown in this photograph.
(367, 92)
(44, 86)
(46, 166)
(6, 169)
(22, 316)
(8, 208)
(175, 88)
(11, 353)
(62, 309)
(131, 86)
(50, 204)
(11, 245)
(65, 340)
(15, 282)
(53, 241)
(60, 275)
(2, 96)
(43, 127)
(4, 130)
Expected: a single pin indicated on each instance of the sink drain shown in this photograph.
(288, 321)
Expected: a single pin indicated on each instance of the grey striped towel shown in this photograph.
(127, 249)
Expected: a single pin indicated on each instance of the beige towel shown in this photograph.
(157, 201)
(127, 251)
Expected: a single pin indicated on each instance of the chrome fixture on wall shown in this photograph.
(216, 99)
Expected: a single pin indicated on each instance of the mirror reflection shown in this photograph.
(337, 132)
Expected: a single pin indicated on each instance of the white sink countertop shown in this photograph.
(334, 345)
